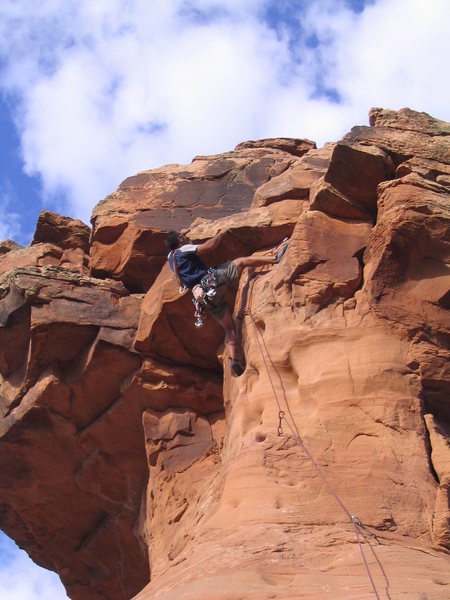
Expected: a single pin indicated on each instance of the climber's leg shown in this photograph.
(259, 261)
(228, 324)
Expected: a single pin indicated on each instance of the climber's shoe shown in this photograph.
(236, 368)
(279, 255)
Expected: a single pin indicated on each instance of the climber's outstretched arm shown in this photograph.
(211, 244)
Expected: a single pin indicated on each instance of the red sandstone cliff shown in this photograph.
(134, 465)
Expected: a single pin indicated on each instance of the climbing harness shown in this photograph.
(203, 292)
(209, 283)
(359, 528)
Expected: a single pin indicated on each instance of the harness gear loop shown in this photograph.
(199, 313)
(202, 292)
(209, 283)
(281, 415)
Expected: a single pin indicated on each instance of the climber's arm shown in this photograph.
(211, 244)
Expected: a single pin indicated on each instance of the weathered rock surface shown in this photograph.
(132, 462)
(58, 241)
(61, 231)
(9, 245)
(129, 226)
(73, 392)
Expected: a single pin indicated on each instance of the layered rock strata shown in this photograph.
(132, 462)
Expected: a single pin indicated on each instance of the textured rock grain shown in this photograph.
(132, 462)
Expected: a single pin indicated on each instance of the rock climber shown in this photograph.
(208, 286)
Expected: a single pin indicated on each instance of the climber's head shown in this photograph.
(174, 239)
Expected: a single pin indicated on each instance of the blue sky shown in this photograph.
(21, 579)
(93, 91)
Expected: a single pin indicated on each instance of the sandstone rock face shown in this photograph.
(66, 350)
(132, 462)
(58, 241)
(62, 231)
(9, 245)
(129, 226)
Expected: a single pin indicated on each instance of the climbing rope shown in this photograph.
(359, 528)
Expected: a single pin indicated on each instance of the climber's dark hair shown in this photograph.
(171, 239)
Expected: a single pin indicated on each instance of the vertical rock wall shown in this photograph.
(348, 337)
(128, 452)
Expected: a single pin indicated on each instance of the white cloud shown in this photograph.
(393, 55)
(9, 219)
(21, 579)
(108, 88)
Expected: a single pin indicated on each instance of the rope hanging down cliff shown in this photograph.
(358, 526)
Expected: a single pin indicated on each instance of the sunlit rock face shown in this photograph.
(58, 241)
(130, 224)
(132, 462)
